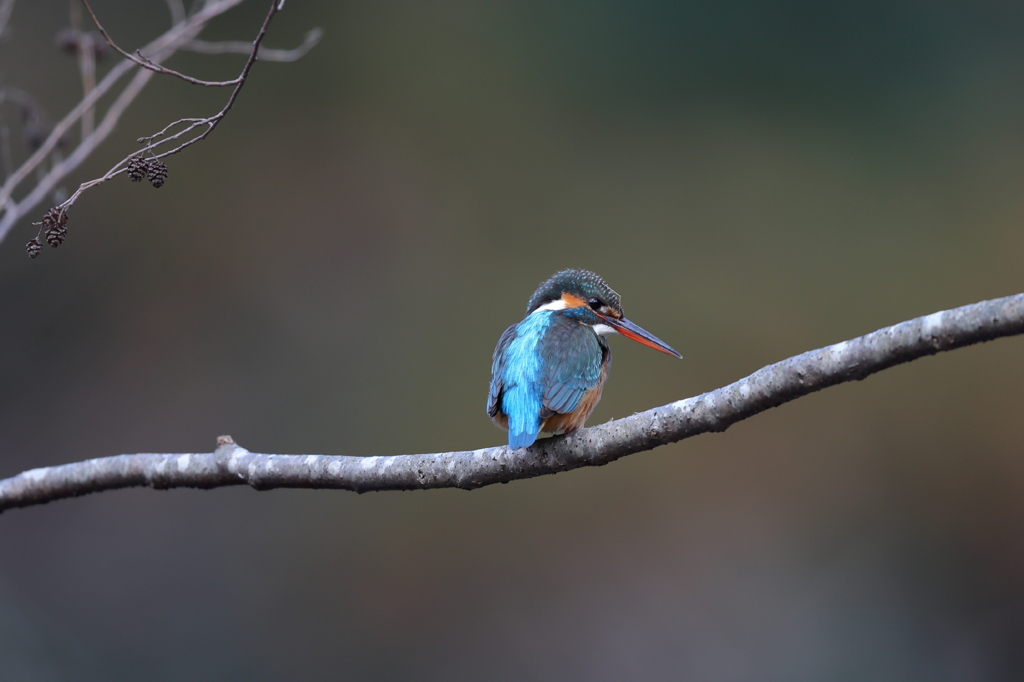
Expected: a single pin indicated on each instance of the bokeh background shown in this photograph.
(329, 272)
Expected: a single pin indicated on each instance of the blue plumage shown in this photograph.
(549, 369)
(543, 367)
(517, 379)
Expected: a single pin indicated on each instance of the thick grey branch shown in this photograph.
(713, 411)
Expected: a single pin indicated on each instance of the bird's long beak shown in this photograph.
(632, 331)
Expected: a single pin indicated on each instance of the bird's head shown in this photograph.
(586, 298)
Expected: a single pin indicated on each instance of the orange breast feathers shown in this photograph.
(564, 423)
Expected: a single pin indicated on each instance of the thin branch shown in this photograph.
(40, 155)
(769, 387)
(160, 139)
(181, 34)
(275, 7)
(265, 54)
(163, 46)
(85, 53)
(87, 67)
(147, 63)
(81, 153)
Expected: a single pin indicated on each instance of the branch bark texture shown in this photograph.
(231, 464)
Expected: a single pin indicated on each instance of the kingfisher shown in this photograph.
(549, 369)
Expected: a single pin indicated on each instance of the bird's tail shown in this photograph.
(523, 410)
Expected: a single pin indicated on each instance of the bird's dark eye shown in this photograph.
(594, 303)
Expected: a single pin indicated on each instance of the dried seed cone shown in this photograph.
(33, 248)
(157, 172)
(54, 218)
(59, 217)
(55, 236)
(138, 168)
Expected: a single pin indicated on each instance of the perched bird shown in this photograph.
(549, 369)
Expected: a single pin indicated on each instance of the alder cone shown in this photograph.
(55, 236)
(157, 172)
(138, 168)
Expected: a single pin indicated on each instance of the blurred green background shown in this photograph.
(329, 273)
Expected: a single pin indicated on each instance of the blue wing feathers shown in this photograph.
(542, 366)
(563, 395)
(574, 357)
(498, 370)
(519, 369)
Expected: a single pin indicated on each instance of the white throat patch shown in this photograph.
(557, 304)
(602, 329)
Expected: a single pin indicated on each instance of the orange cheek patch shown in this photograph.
(572, 301)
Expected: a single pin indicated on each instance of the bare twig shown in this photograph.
(161, 138)
(40, 155)
(266, 54)
(62, 168)
(769, 387)
(212, 122)
(164, 45)
(87, 67)
(147, 63)
(179, 35)
(82, 44)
